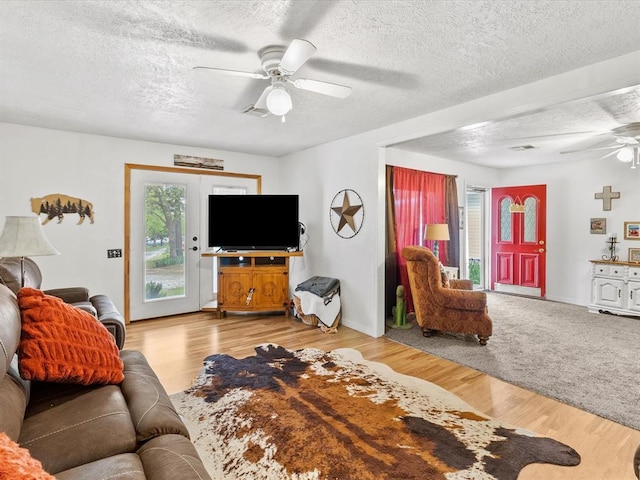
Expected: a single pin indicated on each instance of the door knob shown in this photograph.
(541, 250)
(195, 249)
(541, 242)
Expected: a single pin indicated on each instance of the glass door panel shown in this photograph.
(164, 264)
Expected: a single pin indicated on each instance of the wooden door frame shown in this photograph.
(128, 168)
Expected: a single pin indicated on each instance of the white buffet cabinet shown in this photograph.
(615, 288)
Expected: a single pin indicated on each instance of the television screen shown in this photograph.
(253, 222)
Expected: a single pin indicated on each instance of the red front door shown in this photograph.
(518, 239)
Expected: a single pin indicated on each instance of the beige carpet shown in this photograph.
(311, 414)
(562, 351)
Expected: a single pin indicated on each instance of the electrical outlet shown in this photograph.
(114, 253)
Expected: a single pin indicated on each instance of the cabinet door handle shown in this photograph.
(619, 293)
(250, 295)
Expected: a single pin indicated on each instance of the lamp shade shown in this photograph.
(437, 231)
(24, 237)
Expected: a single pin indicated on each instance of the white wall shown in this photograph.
(35, 162)
(358, 163)
(317, 175)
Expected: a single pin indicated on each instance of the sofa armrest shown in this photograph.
(150, 407)
(70, 294)
(169, 457)
(110, 317)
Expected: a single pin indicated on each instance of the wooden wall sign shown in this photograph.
(56, 205)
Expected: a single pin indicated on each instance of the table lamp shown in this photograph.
(436, 232)
(24, 237)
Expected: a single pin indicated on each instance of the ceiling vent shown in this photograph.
(521, 148)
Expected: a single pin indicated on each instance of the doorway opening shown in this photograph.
(477, 251)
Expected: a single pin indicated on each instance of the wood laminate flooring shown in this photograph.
(175, 347)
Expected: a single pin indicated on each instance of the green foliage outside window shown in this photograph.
(154, 290)
(474, 270)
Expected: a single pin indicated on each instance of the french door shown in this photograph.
(167, 223)
(518, 239)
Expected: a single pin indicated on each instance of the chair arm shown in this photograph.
(70, 294)
(461, 284)
(460, 299)
(109, 316)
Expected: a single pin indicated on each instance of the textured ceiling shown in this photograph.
(574, 130)
(124, 68)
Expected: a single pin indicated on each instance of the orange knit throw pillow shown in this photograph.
(61, 343)
(16, 463)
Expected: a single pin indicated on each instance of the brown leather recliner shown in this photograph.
(100, 306)
(77, 432)
(453, 308)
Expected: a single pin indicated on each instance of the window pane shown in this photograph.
(505, 220)
(530, 207)
(164, 273)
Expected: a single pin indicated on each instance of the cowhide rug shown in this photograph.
(311, 414)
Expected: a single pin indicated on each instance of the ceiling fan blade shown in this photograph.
(298, 52)
(531, 137)
(628, 140)
(261, 103)
(590, 149)
(611, 153)
(236, 73)
(326, 88)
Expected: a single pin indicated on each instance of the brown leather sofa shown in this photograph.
(125, 431)
(441, 307)
(100, 306)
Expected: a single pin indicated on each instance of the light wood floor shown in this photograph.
(175, 347)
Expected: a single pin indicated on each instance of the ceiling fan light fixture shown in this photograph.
(625, 155)
(279, 101)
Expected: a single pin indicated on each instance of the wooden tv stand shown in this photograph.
(252, 281)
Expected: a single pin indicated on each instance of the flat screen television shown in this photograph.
(253, 222)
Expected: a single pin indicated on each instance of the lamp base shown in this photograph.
(436, 249)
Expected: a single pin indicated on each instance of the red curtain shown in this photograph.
(419, 199)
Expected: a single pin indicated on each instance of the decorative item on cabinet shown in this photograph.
(634, 255)
(612, 241)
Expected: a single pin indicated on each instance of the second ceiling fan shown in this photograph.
(625, 144)
(279, 64)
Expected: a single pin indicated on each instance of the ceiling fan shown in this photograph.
(279, 64)
(626, 144)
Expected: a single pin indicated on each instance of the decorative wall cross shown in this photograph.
(606, 197)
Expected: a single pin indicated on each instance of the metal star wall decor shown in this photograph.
(347, 210)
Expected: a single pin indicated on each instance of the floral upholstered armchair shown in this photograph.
(441, 304)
